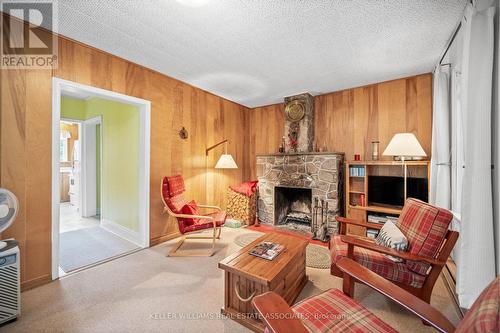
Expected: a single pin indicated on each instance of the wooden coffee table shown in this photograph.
(246, 276)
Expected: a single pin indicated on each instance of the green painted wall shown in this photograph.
(120, 154)
(73, 108)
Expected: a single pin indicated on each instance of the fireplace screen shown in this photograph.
(292, 207)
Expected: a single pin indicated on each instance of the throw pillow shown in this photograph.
(390, 236)
(191, 209)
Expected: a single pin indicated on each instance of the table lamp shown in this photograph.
(405, 146)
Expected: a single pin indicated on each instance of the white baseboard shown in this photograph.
(125, 233)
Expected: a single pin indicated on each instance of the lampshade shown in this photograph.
(404, 144)
(226, 161)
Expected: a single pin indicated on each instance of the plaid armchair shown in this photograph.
(430, 244)
(333, 311)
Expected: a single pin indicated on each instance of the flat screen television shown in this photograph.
(386, 190)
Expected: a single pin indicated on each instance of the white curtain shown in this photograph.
(496, 154)
(440, 191)
(477, 253)
(457, 154)
(496, 138)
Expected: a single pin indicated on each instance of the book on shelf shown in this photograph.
(267, 250)
(356, 171)
(362, 201)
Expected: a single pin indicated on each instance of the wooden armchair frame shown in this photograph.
(175, 252)
(436, 264)
(270, 304)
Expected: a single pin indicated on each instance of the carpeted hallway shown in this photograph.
(83, 247)
(148, 292)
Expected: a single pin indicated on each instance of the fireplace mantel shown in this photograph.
(322, 172)
(302, 153)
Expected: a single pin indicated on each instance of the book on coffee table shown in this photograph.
(267, 250)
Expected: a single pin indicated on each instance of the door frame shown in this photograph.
(58, 85)
(83, 158)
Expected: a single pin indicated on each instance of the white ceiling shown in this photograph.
(255, 52)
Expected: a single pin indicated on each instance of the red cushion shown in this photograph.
(333, 311)
(484, 315)
(175, 185)
(176, 203)
(245, 188)
(425, 227)
(191, 209)
(378, 263)
(219, 217)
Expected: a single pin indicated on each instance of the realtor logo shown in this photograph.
(27, 38)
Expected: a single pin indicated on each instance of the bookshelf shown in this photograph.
(357, 201)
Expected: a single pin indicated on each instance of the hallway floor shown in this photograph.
(70, 219)
(84, 242)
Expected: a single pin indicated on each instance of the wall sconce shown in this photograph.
(183, 133)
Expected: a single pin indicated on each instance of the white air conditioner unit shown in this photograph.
(10, 289)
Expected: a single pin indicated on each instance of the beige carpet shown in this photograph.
(148, 292)
(83, 247)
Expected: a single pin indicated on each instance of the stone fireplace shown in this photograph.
(291, 181)
(293, 207)
(288, 178)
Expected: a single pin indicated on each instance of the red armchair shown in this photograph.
(188, 218)
(333, 311)
(430, 244)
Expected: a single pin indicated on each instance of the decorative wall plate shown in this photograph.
(295, 110)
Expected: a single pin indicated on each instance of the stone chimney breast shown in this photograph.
(299, 123)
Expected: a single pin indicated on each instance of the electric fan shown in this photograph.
(10, 290)
(8, 211)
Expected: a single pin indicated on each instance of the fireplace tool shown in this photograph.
(320, 218)
(314, 224)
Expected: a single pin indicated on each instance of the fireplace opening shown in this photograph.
(292, 208)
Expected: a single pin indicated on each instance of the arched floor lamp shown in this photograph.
(225, 161)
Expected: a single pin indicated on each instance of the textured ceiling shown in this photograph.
(255, 52)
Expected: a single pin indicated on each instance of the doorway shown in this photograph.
(100, 186)
(78, 210)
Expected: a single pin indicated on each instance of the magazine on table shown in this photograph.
(267, 250)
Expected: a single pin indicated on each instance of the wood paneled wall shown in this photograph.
(25, 146)
(348, 120)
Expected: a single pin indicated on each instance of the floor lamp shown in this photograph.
(405, 146)
(226, 161)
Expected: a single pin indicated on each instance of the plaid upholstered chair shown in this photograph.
(333, 311)
(188, 218)
(430, 244)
